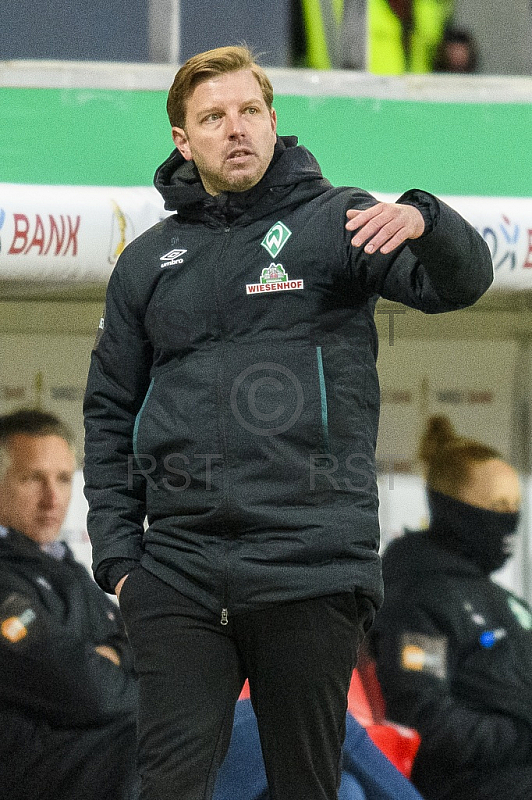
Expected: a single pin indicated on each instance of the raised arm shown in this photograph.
(420, 252)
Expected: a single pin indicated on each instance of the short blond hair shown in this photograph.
(205, 65)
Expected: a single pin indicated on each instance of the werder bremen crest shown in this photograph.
(276, 238)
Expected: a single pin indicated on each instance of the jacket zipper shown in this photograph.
(224, 618)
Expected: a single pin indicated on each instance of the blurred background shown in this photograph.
(287, 32)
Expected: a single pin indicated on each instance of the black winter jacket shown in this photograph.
(67, 713)
(233, 396)
(454, 659)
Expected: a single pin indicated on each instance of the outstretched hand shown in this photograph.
(384, 226)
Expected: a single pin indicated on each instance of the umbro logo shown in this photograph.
(172, 258)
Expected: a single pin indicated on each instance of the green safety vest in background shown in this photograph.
(322, 20)
(392, 49)
(383, 44)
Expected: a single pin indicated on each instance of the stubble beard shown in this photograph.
(232, 181)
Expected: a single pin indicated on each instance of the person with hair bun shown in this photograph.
(453, 649)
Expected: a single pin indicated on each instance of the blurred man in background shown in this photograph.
(67, 695)
(457, 52)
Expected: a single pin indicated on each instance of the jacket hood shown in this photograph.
(180, 185)
(419, 553)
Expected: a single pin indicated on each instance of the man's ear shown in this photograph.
(181, 142)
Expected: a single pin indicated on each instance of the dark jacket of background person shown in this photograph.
(453, 648)
(231, 500)
(233, 495)
(67, 714)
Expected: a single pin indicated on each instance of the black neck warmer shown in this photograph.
(483, 536)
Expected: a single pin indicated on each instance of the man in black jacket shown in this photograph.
(233, 401)
(67, 694)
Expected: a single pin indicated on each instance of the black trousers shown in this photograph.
(298, 657)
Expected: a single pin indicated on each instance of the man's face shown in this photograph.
(35, 490)
(229, 132)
